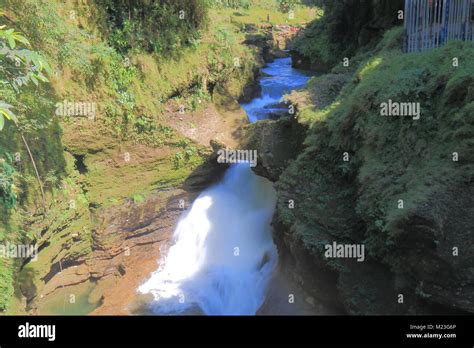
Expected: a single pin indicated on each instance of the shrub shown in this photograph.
(139, 24)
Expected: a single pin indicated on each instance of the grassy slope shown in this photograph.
(301, 15)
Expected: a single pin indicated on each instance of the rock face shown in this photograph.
(272, 41)
(208, 173)
(282, 36)
(126, 246)
(418, 264)
(277, 143)
(300, 61)
(127, 241)
(131, 240)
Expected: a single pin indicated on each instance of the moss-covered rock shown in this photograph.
(277, 142)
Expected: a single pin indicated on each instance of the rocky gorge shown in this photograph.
(93, 257)
(398, 190)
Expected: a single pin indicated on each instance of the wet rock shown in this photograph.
(277, 143)
(299, 61)
(124, 237)
(210, 172)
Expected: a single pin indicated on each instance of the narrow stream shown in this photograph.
(223, 254)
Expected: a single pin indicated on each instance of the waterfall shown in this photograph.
(223, 255)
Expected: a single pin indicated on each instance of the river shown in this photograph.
(223, 256)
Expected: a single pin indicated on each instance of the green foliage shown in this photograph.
(191, 156)
(8, 196)
(139, 24)
(272, 12)
(12, 37)
(235, 4)
(138, 198)
(6, 112)
(29, 107)
(345, 27)
(178, 160)
(6, 283)
(18, 67)
(194, 99)
(144, 124)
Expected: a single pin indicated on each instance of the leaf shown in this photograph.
(5, 105)
(33, 78)
(2, 122)
(11, 42)
(41, 77)
(5, 110)
(21, 38)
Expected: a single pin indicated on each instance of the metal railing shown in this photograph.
(431, 23)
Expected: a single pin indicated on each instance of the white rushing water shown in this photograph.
(223, 254)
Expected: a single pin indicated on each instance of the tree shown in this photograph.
(18, 68)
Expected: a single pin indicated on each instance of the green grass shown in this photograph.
(301, 15)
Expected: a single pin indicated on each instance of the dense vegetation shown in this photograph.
(345, 27)
(19, 68)
(139, 24)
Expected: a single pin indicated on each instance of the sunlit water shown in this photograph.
(280, 79)
(223, 254)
